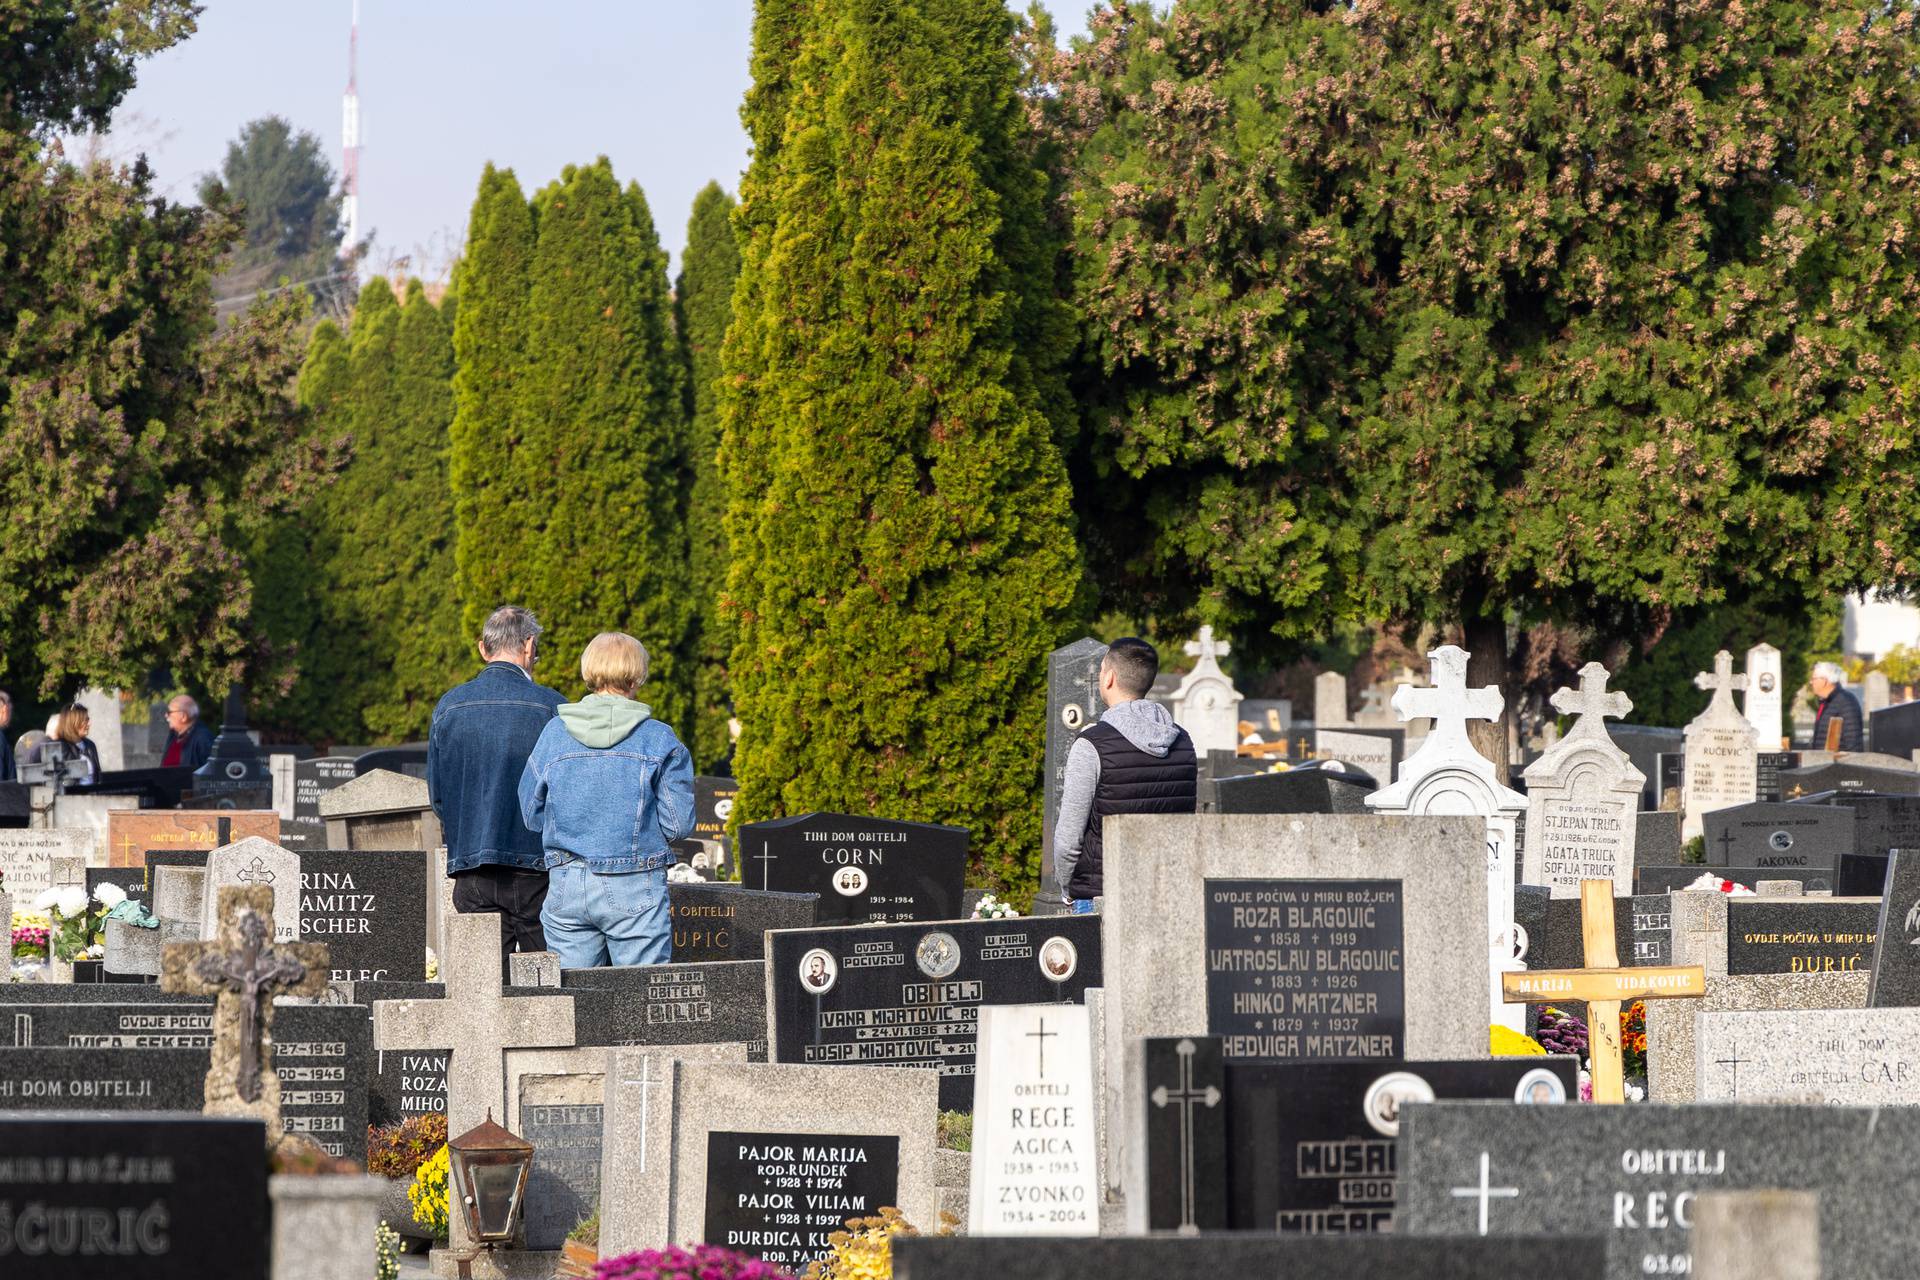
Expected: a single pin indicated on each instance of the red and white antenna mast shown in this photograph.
(350, 136)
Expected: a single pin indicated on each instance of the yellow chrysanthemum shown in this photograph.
(1504, 1043)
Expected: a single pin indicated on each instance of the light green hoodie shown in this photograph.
(603, 719)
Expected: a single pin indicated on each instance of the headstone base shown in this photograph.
(496, 1264)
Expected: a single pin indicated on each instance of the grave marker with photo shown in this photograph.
(864, 869)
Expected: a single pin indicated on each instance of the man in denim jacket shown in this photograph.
(482, 733)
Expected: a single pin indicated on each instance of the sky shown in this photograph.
(448, 85)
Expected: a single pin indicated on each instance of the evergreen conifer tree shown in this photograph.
(898, 521)
(704, 300)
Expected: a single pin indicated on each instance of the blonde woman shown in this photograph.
(609, 788)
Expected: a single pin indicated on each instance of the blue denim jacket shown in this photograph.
(481, 736)
(616, 807)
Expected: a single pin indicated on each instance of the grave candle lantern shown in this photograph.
(488, 1173)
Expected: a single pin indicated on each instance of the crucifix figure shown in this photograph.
(1485, 1191)
(1040, 1038)
(1186, 1097)
(1604, 985)
(244, 970)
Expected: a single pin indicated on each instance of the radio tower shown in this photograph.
(350, 136)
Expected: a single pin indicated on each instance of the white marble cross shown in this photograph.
(1205, 647)
(1591, 703)
(1723, 682)
(1448, 702)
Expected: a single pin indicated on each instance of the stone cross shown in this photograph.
(1604, 985)
(1591, 703)
(244, 969)
(1206, 648)
(1448, 703)
(1723, 682)
(1186, 1098)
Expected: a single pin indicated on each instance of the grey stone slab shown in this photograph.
(1896, 947)
(1801, 935)
(1806, 837)
(248, 863)
(374, 792)
(26, 856)
(133, 950)
(179, 892)
(168, 1193)
(1629, 1172)
(1756, 1235)
(911, 995)
(1840, 1057)
(1360, 1257)
(677, 1004)
(562, 1116)
(1157, 873)
(1374, 752)
(1671, 1073)
(753, 1147)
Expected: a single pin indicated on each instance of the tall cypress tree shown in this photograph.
(704, 298)
(486, 465)
(899, 524)
(600, 542)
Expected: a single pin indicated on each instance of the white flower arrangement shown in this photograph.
(991, 908)
(109, 895)
(68, 901)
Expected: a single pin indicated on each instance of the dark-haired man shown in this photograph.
(1135, 760)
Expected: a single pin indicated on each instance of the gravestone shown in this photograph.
(1720, 768)
(1876, 694)
(1582, 796)
(911, 995)
(153, 1053)
(1206, 704)
(1801, 935)
(1073, 704)
(315, 778)
(1846, 777)
(1670, 787)
(1839, 1057)
(1810, 837)
(1644, 744)
(380, 809)
(1671, 1071)
(370, 908)
(1762, 700)
(862, 868)
(1896, 944)
(1629, 1173)
(1298, 1147)
(1895, 731)
(1318, 787)
(770, 1160)
(1033, 1170)
(1656, 839)
(1362, 1257)
(1447, 776)
(1158, 869)
(1329, 700)
(26, 856)
(1375, 752)
(1861, 875)
(131, 881)
(253, 863)
(1652, 929)
(132, 832)
(1881, 823)
(561, 1115)
(727, 922)
(179, 893)
(670, 1005)
(244, 967)
(151, 1197)
(1768, 766)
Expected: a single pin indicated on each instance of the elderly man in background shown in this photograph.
(1835, 709)
(189, 742)
(477, 747)
(9, 771)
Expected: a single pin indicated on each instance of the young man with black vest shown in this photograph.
(1135, 760)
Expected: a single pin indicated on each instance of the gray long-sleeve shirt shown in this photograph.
(1148, 726)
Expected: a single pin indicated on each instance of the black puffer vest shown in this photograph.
(1131, 781)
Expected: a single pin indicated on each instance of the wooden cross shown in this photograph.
(1591, 703)
(1723, 682)
(1448, 702)
(1604, 985)
(244, 971)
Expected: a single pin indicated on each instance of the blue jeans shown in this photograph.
(1080, 907)
(620, 918)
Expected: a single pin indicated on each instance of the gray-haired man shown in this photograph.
(481, 735)
(1837, 718)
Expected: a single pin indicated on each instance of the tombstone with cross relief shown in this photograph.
(1582, 796)
(1206, 704)
(1035, 1164)
(254, 863)
(1448, 776)
(1721, 765)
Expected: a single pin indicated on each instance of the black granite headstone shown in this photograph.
(1652, 930)
(1845, 776)
(1895, 730)
(1311, 788)
(563, 1184)
(910, 995)
(1644, 745)
(666, 1004)
(314, 778)
(1768, 765)
(1656, 838)
(778, 1196)
(1670, 776)
(1800, 935)
(1807, 837)
(1305, 968)
(370, 907)
(1881, 823)
(1361, 1257)
(728, 922)
(1186, 1133)
(1862, 875)
(1270, 718)
(1896, 949)
(863, 868)
(148, 1197)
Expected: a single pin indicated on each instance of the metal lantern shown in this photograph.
(488, 1171)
